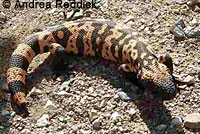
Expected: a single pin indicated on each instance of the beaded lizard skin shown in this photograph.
(106, 39)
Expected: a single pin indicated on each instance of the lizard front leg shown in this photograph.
(60, 63)
(127, 72)
(166, 60)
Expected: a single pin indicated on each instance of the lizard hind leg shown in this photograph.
(126, 94)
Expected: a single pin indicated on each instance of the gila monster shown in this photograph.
(98, 38)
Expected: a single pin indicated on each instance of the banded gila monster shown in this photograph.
(106, 39)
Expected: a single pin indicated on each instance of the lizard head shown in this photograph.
(159, 79)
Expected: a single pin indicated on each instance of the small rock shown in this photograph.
(182, 86)
(63, 120)
(186, 93)
(61, 78)
(39, 28)
(62, 92)
(105, 82)
(85, 131)
(192, 121)
(1, 127)
(14, 19)
(20, 128)
(5, 113)
(65, 85)
(126, 96)
(43, 121)
(194, 21)
(52, 11)
(114, 115)
(35, 92)
(25, 131)
(91, 89)
(74, 128)
(192, 2)
(177, 121)
(197, 9)
(96, 124)
(50, 104)
(3, 17)
(129, 19)
(60, 14)
(142, 27)
(161, 127)
(12, 114)
(59, 128)
(189, 80)
(1, 44)
(132, 111)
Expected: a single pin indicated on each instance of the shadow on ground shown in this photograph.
(159, 115)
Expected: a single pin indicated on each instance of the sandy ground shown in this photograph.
(89, 103)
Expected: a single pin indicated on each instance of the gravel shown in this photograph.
(86, 101)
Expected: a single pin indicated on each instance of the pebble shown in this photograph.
(1, 127)
(3, 17)
(20, 128)
(182, 86)
(63, 120)
(5, 113)
(14, 19)
(62, 92)
(12, 114)
(194, 21)
(161, 127)
(65, 85)
(192, 121)
(26, 131)
(105, 82)
(126, 96)
(132, 112)
(1, 44)
(43, 121)
(85, 131)
(35, 92)
(52, 11)
(142, 27)
(128, 19)
(50, 104)
(114, 115)
(91, 89)
(61, 78)
(177, 121)
(39, 28)
(96, 124)
(186, 93)
(189, 80)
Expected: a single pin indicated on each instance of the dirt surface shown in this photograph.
(88, 102)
